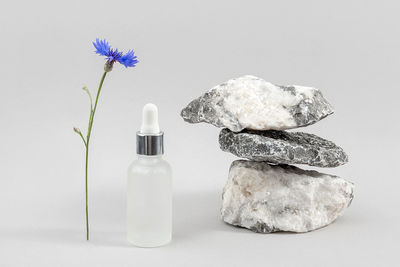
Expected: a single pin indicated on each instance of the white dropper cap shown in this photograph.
(150, 120)
(150, 140)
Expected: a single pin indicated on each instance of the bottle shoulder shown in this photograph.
(150, 164)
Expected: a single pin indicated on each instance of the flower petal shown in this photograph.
(129, 59)
(102, 47)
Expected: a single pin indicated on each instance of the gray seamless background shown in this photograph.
(349, 49)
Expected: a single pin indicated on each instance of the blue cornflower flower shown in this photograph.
(103, 48)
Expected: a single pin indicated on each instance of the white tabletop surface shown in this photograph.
(349, 49)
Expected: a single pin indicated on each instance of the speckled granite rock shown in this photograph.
(282, 147)
(267, 198)
(252, 103)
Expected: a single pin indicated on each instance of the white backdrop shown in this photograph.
(349, 49)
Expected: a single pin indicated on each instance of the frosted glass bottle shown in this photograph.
(149, 187)
(149, 202)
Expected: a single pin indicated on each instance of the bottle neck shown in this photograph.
(149, 159)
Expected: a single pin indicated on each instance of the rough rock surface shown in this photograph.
(252, 103)
(269, 198)
(282, 147)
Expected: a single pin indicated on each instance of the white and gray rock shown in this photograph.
(269, 198)
(252, 103)
(281, 147)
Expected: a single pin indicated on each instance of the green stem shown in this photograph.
(86, 192)
(95, 104)
(83, 139)
(92, 113)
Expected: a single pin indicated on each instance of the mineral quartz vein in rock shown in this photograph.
(269, 198)
(281, 147)
(252, 103)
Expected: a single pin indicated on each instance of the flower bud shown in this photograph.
(108, 66)
(77, 130)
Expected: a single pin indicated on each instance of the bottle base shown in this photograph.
(142, 244)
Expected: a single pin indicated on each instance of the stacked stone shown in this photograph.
(264, 193)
